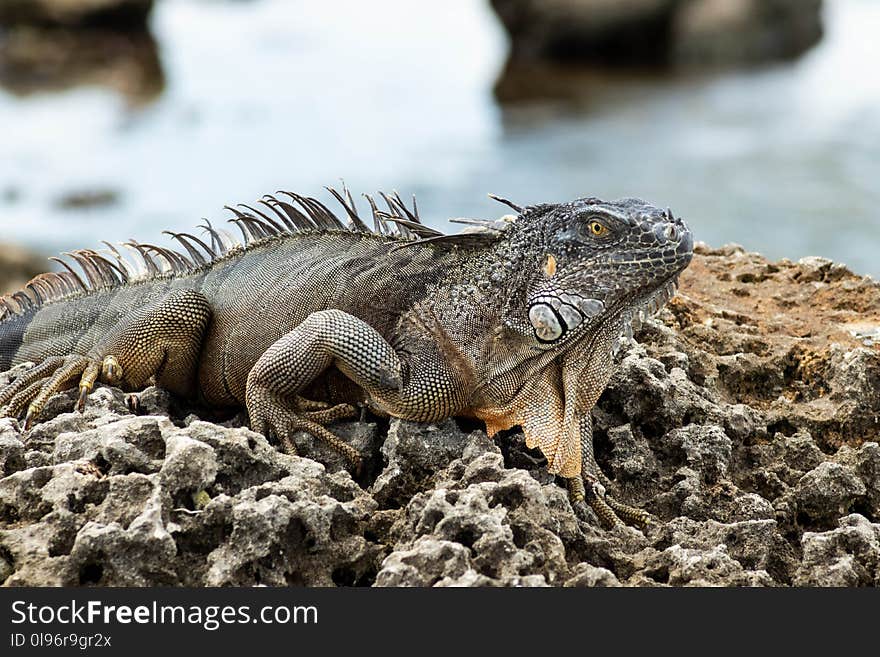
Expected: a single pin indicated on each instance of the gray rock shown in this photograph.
(413, 453)
(751, 506)
(848, 411)
(136, 500)
(294, 532)
(665, 399)
(679, 566)
(741, 422)
(472, 579)
(827, 492)
(801, 453)
(868, 468)
(846, 556)
(244, 458)
(709, 32)
(425, 563)
(588, 575)
(29, 495)
(12, 452)
(12, 374)
(134, 444)
(694, 33)
(190, 465)
(509, 523)
(817, 269)
(707, 450)
(141, 554)
(631, 456)
(154, 401)
(6, 569)
(363, 436)
(127, 528)
(102, 401)
(757, 545)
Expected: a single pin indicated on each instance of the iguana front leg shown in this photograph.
(334, 337)
(585, 375)
(159, 341)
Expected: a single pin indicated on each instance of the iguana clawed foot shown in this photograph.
(32, 389)
(279, 419)
(629, 514)
(610, 512)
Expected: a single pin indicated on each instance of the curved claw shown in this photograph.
(81, 402)
(87, 381)
(111, 371)
(133, 402)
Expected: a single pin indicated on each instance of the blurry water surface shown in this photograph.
(282, 94)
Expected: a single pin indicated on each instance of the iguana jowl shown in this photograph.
(513, 321)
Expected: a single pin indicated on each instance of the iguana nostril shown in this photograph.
(666, 232)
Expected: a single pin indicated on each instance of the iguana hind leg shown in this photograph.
(160, 342)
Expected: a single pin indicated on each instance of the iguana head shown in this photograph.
(576, 276)
(601, 259)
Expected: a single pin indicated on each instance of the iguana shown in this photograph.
(512, 321)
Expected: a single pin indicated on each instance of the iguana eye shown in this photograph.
(597, 229)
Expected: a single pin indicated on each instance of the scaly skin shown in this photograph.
(514, 322)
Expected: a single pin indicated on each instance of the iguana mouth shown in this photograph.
(634, 316)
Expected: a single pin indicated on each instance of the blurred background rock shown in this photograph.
(757, 120)
(76, 13)
(18, 266)
(681, 33)
(60, 44)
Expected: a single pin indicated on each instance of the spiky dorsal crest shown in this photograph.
(290, 215)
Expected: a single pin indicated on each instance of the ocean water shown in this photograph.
(285, 94)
